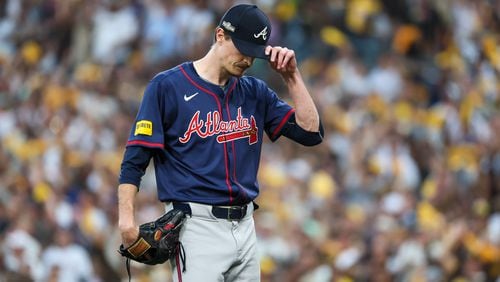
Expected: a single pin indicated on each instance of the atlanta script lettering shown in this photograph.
(238, 128)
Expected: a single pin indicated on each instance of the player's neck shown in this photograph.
(208, 71)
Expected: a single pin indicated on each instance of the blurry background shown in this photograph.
(405, 186)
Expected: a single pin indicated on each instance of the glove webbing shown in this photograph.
(181, 254)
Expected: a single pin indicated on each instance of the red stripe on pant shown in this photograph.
(179, 270)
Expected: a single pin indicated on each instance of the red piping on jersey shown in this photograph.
(145, 143)
(232, 145)
(282, 123)
(226, 157)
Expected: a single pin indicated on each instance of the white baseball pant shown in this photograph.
(217, 249)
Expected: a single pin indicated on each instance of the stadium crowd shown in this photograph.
(405, 186)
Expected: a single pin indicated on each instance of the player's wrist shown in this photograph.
(127, 227)
(291, 77)
(129, 235)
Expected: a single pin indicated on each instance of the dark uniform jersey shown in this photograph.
(208, 139)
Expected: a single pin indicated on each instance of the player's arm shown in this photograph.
(133, 167)
(126, 219)
(283, 61)
(304, 126)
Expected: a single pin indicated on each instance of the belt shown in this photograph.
(223, 212)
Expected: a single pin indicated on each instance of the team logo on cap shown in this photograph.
(228, 26)
(263, 33)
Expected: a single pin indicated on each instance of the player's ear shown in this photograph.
(219, 35)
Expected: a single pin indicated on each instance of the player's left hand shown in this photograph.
(282, 60)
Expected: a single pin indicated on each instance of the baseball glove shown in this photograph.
(158, 240)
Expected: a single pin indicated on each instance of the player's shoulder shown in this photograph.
(255, 88)
(168, 75)
(252, 82)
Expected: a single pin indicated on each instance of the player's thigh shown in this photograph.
(209, 249)
(248, 267)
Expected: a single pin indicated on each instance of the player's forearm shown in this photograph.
(306, 114)
(126, 218)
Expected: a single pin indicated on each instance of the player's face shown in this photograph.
(234, 62)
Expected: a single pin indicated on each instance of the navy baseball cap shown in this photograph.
(249, 28)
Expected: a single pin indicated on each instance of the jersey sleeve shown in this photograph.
(147, 130)
(135, 161)
(278, 112)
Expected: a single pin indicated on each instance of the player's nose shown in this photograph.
(248, 60)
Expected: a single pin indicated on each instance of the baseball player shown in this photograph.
(203, 123)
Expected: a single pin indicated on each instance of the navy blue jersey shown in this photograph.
(208, 139)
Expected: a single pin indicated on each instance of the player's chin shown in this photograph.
(238, 70)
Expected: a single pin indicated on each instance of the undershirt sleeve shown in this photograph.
(307, 138)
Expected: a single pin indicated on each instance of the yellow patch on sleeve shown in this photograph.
(143, 127)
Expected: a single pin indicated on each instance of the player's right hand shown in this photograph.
(129, 235)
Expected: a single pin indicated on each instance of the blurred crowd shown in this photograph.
(405, 186)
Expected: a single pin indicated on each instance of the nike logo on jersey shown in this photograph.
(226, 131)
(187, 98)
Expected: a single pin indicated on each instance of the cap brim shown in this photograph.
(250, 49)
